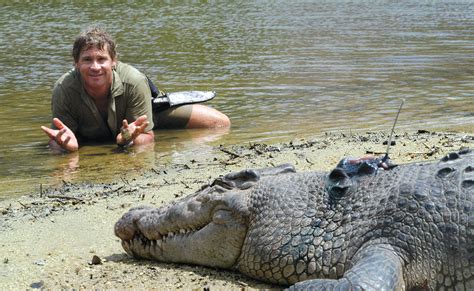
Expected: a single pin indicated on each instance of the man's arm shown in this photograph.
(139, 110)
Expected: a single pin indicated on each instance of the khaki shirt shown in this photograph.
(130, 97)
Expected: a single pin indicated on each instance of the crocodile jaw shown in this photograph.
(202, 229)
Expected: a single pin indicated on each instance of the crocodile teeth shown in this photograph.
(148, 248)
(126, 245)
(135, 240)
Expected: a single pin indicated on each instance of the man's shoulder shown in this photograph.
(129, 74)
(69, 81)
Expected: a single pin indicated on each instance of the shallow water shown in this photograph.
(280, 71)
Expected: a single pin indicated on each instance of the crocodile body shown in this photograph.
(407, 228)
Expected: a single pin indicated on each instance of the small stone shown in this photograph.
(391, 143)
(37, 285)
(95, 260)
(40, 262)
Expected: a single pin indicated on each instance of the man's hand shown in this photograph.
(61, 138)
(135, 132)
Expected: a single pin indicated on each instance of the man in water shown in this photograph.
(102, 99)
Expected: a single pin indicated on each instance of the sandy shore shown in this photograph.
(50, 241)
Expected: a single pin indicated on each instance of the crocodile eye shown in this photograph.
(338, 184)
(338, 174)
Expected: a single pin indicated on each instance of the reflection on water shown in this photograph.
(104, 163)
(279, 71)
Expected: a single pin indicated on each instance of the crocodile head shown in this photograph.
(207, 228)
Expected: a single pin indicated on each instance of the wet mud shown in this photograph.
(62, 237)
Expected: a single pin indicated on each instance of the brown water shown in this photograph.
(281, 70)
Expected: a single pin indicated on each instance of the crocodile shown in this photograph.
(408, 227)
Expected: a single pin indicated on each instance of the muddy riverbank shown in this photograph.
(63, 237)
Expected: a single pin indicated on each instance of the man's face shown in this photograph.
(95, 66)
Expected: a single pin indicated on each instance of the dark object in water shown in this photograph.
(161, 100)
(183, 97)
